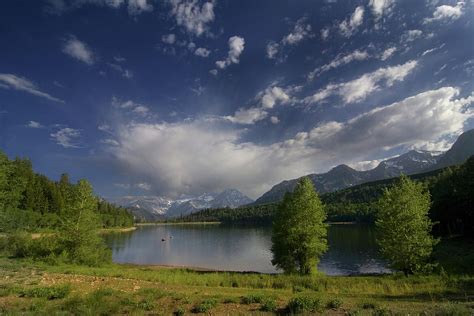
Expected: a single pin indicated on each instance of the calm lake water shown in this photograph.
(352, 248)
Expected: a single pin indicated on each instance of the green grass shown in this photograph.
(33, 287)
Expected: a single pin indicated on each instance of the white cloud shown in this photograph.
(340, 60)
(350, 25)
(381, 7)
(388, 53)
(110, 142)
(358, 89)
(202, 52)
(300, 32)
(78, 50)
(412, 35)
(325, 33)
(124, 72)
(67, 137)
(272, 95)
(248, 116)
(136, 7)
(274, 120)
(236, 47)
(176, 158)
(11, 81)
(191, 16)
(168, 38)
(272, 50)
(34, 124)
(131, 107)
(447, 13)
(142, 186)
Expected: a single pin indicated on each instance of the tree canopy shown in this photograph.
(299, 232)
(403, 225)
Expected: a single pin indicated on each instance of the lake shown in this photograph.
(352, 248)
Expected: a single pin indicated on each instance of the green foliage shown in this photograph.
(50, 293)
(205, 306)
(32, 202)
(298, 232)
(335, 303)
(404, 226)
(269, 304)
(304, 304)
(252, 299)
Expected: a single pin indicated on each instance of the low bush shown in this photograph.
(269, 304)
(252, 299)
(302, 304)
(205, 306)
(50, 293)
(335, 303)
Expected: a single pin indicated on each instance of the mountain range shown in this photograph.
(412, 162)
(150, 208)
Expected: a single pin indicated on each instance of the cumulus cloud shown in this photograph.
(202, 52)
(248, 116)
(131, 107)
(381, 7)
(67, 137)
(266, 99)
(411, 35)
(340, 60)
(134, 7)
(358, 89)
(350, 25)
(388, 53)
(196, 156)
(325, 33)
(447, 13)
(124, 72)
(34, 124)
(236, 47)
(168, 38)
(300, 32)
(193, 17)
(274, 120)
(11, 81)
(78, 50)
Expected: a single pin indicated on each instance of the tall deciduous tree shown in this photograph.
(404, 226)
(299, 232)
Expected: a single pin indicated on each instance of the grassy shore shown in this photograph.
(28, 287)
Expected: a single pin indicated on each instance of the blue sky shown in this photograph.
(184, 97)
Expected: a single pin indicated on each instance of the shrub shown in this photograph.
(334, 303)
(301, 304)
(179, 311)
(146, 305)
(204, 306)
(269, 305)
(50, 293)
(252, 299)
(369, 305)
(230, 300)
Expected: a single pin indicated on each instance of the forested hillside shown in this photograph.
(451, 189)
(30, 201)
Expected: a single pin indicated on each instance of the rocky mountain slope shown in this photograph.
(414, 161)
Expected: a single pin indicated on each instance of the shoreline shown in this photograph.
(177, 223)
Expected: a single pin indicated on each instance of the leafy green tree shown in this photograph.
(299, 232)
(79, 231)
(404, 226)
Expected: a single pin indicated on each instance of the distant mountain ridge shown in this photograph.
(151, 208)
(414, 161)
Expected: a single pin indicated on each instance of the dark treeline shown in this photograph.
(451, 189)
(30, 201)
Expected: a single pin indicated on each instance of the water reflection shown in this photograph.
(352, 248)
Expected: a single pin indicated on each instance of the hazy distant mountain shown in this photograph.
(155, 207)
(414, 161)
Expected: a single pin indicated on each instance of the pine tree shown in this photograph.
(404, 227)
(299, 232)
